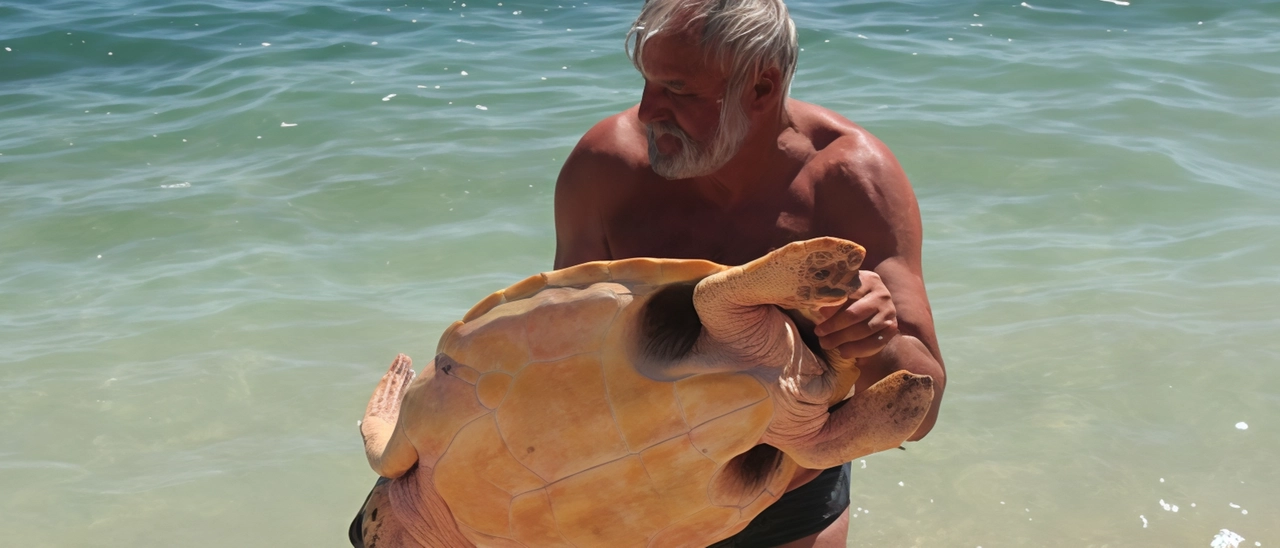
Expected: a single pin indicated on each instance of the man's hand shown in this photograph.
(864, 324)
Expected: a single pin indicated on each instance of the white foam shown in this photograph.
(1242, 426)
(1144, 520)
(287, 124)
(388, 98)
(265, 44)
(1226, 539)
(481, 107)
(1117, 2)
(176, 185)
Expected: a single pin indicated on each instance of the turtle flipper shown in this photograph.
(388, 449)
(739, 307)
(876, 419)
(802, 275)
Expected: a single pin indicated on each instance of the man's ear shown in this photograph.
(766, 90)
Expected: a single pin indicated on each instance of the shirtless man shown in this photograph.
(716, 162)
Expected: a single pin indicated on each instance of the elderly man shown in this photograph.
(716, 162)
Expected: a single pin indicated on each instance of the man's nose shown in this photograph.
(653, 107)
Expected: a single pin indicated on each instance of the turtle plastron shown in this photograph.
(625, 403)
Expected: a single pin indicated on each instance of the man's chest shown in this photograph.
(685, 226)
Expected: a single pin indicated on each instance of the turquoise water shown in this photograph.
(198, 295)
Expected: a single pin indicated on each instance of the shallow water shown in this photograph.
(211, 247)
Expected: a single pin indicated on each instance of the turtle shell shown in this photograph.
(540, 431)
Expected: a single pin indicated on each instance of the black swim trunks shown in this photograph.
(805, 511)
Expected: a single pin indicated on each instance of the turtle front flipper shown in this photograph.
(388, 449)
(740, 314)
(801, 275)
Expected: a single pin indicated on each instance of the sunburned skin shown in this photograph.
(573, 408)
(802, 171)
(842, 182)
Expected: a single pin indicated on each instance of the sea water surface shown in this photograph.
(219, 221)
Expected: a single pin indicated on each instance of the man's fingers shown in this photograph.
(853, 324)
(865, 324)
(869, 346)
(842, 320)
(828, 312)
(860, 331)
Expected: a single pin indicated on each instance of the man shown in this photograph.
(716, 162)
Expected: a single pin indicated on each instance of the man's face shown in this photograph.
(694, 125)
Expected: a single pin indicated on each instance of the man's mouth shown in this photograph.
(667, 144)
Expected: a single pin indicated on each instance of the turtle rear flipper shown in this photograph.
(874, 420)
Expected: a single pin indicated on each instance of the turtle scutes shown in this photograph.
(641, 402)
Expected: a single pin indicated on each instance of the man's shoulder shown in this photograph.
(614, 143)
(860, 189)
(844, 152)
(607, 161)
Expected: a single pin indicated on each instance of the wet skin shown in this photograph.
(802, 172)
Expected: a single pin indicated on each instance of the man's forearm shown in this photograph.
(905, 352)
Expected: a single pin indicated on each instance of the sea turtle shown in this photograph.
(640, 402)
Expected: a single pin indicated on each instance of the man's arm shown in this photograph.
(581, 199)
(866, 197)
(915, 349)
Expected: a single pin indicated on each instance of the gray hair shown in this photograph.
(744, 36)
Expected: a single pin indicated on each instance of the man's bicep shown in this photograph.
(579, 229)
(877, 208)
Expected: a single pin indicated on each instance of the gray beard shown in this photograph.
(693, 159)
